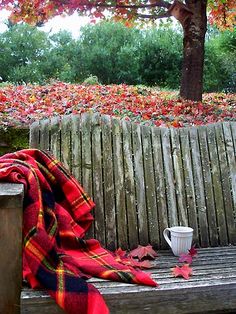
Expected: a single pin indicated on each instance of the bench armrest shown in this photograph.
(11, 212)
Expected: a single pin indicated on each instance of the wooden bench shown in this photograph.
(142, 180)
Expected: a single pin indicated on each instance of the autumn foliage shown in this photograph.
(24, 104)
(222, 12)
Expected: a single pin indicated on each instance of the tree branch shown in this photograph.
(154, 16)
(158, 3)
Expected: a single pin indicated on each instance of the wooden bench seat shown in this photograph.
(212, 287)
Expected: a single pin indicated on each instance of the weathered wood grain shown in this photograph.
(226, 185)
(179, 177)
(34, 135)
(108, 177)
(149, 178)
(231, 153)
(189, 183)
(210, 288)
(118, 164)
(169, 177)
(86, 160)
(160, 184)
(76, 147)
(66, 142)
(98, 197)
(216, 183)
(55, 143)
(199, 187)
(208, 186)
(144, 179)
(44, 126)
(129, 181)
(140, 185)
(11, 211)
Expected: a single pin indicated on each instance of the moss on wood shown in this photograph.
(13, 139)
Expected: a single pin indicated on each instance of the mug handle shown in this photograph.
(165, 234)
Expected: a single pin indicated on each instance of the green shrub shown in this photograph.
(91, 80)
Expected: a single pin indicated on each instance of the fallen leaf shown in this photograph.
(185, 258)
(182, 271)
(193, 251)
(143, 252)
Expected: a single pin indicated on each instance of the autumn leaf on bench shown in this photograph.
(192, 251)
(143, 252)
(182, 271)
(185, 258)
(126, 258)
(188, 258)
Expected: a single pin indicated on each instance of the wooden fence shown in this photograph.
(144, 179)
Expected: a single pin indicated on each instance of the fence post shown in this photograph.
(11, 212)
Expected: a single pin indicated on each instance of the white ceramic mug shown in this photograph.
(180, 239)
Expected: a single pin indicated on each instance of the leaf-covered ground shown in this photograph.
(24, 104)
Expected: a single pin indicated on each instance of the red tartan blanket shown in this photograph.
(56, 217)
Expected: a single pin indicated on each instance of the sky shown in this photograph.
(71, 23)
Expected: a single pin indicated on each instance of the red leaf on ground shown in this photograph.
(192, 251)
(143, 252)
(185, 258)
(182, 271)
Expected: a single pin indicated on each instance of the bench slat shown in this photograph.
(179, 177)
(76, 148)
(86, 160)
(217, 187)
(44, 134)
(231, 153)
(140, 185)
(226, 185)
(129, 186)
(122, 232)
(199, 187)
(160, 184)
(55, 143)
(99, 223)
(169, 177)
(34, 135)
(189, 183)
(149, 177)
(66, 141)
(108, 177)
(208, 185)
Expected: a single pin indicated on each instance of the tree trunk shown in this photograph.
(194, 28)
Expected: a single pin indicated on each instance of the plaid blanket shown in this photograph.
(55, 220)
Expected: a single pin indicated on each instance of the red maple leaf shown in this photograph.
(192, 251)
(143, 252)
(182, 271)
(185, 258)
